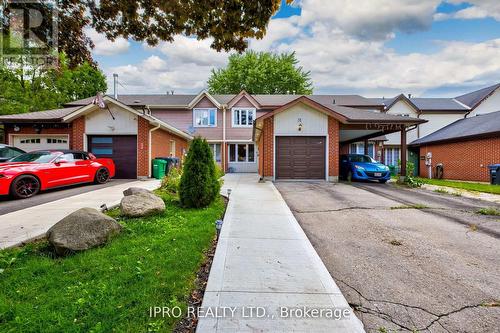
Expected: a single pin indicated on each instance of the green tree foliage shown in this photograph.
(199, 184)
(24, 88)
(228, 23)
(261, 73)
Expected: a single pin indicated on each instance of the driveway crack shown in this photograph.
(386, 316)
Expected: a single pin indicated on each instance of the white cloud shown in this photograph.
(105, 47)
(327, 46)
(480, 9)
(368, 19)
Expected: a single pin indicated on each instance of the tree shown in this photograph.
(199, 184)
(229, 23)
(261, 73)
(24, 88)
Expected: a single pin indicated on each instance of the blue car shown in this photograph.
(363, 167)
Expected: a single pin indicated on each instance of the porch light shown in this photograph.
(17, 128)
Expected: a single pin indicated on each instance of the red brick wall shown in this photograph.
(261, 160)
(161, 142)
(78, 130)
(142, 147)
(267, 147)
(333, 147)
(466, 160)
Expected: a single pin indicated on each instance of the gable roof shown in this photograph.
(39, 116)
(346, 115)
(467, 128)
(425, 104)
(265, 101)
(238, 97)
(475, 98)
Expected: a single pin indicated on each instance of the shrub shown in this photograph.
(199, 185)
(219, 171)
(172, 180)
(410, 180)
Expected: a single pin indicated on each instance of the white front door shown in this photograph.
(40, 142)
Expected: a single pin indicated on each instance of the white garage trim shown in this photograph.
(42, 145)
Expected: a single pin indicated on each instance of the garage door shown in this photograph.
(40, 142)
(300, 157)
(121, 148)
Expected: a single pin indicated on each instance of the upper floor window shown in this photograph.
(243, 117)
(205, 117)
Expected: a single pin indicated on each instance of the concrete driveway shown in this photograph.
(9, 205)
(431, 269)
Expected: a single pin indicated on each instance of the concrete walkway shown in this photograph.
(23, 225)
(265, 262)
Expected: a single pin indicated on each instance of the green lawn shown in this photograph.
(478, 187)
(153, 262)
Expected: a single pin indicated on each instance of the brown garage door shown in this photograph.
(121, 148)
(300, 157)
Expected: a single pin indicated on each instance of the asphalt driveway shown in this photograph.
(405, 259)
(9, 205)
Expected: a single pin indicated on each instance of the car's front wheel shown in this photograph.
(24, 187)
(101, 176)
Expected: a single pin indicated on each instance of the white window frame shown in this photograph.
(390, 154)
(233, 111)
(213, 146)
(360, 148)
(202, 110)
(235, 145)
(172, 148)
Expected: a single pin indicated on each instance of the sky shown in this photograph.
(374, 48)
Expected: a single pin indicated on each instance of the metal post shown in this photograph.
(403, 155)
(115, 85)
(366, 147)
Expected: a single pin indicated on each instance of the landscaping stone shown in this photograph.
(141, 204)
(81, 230)
(135, 190)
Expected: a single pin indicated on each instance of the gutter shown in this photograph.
(223, 148)
(149, 147)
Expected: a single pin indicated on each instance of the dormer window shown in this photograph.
(243, 117)
(205, 117)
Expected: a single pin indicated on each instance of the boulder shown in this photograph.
(141, 204)
(135, 190)
(82, 230)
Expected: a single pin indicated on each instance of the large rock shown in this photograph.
(82, 230)
(135, 190)
(141, 204)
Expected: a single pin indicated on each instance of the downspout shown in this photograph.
(149, 147)
(223, 148)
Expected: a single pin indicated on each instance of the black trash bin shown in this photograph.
(171, 162)
(495, 174)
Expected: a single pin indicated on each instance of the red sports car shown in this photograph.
(27, 174)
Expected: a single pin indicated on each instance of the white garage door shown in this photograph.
(40, 142)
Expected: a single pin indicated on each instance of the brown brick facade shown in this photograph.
(77, 133)
(466, 160)
(142, 147)
(266, 148)
(333, 148)
(161, 142)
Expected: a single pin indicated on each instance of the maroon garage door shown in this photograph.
(121, 148)
(300, 157)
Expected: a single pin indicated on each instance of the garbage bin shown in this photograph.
(495, 174)
(171, 162)
(159, 168)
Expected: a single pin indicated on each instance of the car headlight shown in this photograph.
(359, 167)
(386, 168)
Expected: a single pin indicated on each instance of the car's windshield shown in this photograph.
(36, 157)
(362, 159)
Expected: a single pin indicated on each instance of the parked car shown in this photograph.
(27, 174)
(8, 152)
(363, 167)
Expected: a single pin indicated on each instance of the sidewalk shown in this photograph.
(264, 259)
(33, 222)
